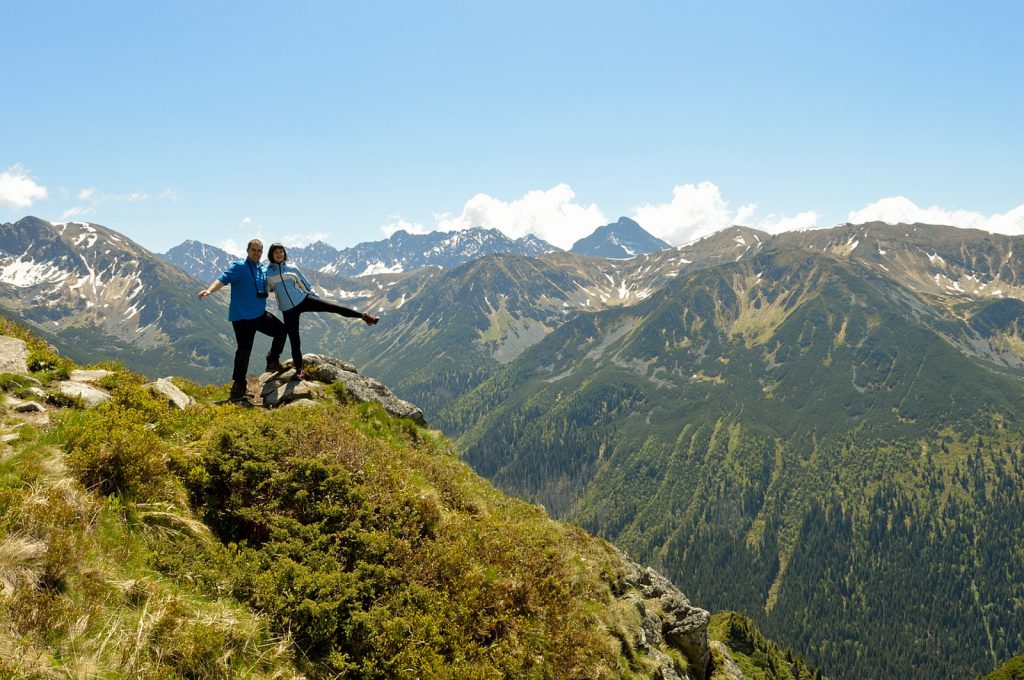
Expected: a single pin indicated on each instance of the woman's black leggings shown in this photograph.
(309, 304)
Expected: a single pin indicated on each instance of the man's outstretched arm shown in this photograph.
(212, 288)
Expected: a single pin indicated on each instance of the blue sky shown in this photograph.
(344, 121)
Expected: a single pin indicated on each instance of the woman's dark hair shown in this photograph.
(275, 247)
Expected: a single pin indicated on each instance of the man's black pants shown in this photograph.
(245, 334)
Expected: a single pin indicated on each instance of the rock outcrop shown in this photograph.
(668, 618)
(278, 389)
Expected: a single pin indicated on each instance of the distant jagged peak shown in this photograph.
(619, 240)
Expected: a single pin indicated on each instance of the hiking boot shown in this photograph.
(274, 367)
(238, 391)
(299, 376)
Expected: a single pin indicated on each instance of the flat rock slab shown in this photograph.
(90, 394)
(13, 355)
(279, 391)
(88, 376)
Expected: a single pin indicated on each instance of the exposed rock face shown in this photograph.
(667, 616)
(330, 370)
(727, 669)
(13, 355)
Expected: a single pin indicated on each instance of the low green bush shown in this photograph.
(62, 400)
(111, 451)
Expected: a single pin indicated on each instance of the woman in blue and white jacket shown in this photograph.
(295, 295)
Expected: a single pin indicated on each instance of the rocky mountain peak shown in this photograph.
(620, 240)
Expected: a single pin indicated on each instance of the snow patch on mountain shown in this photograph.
(379, 267)
(26, 273)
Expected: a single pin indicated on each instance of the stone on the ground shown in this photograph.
(29, 407)
(13, 355)
(175, 397)
(88, 376)
(278, 390)
(90, 394)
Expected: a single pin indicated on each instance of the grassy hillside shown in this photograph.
(139, 541)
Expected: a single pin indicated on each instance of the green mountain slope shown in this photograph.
(99, 296)
(795, 435)
(462, 325)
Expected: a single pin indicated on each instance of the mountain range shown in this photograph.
(94, 292)
(403, 252)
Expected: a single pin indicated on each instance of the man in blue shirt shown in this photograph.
(248, 314)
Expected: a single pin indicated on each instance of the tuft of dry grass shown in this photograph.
(21, 561)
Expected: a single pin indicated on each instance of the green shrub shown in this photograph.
(112, 451)
(340, 392)
(51, 366)
(62, 400)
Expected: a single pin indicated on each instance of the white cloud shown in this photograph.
(94, 199)
(698, 210)
(776, 224)
(72, 213)
(899, 209)
(18, 190)
(553, 215)
(231, 247)
(300, 240)
(695, 211)
(398, 224)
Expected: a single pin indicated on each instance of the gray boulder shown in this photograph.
(91, 395)
(13, 355)
(29, 407)
(175, 397)
(33, 391)
(281, 390)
